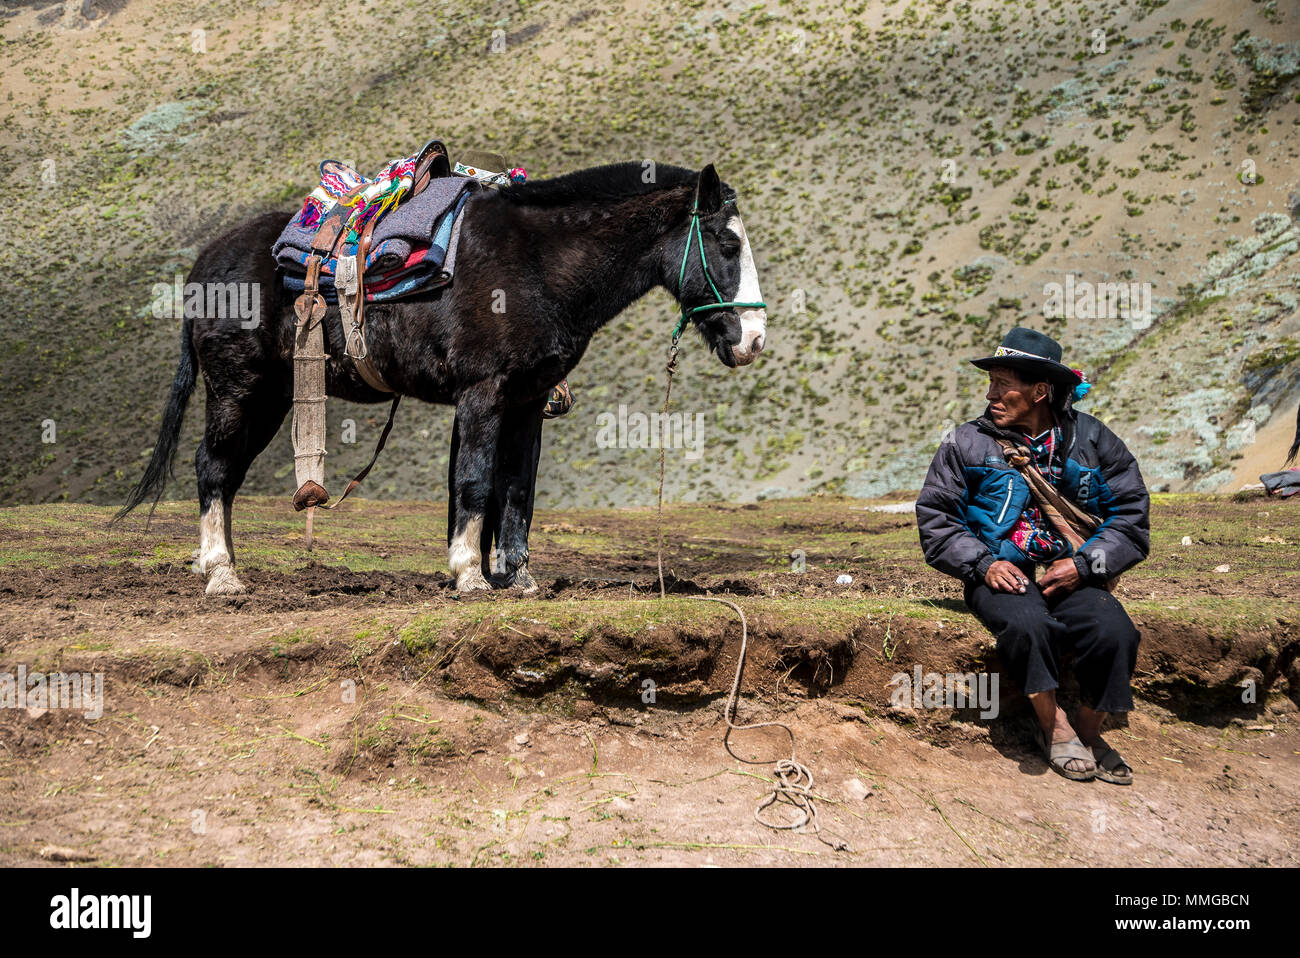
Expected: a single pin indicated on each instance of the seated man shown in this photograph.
(980, 522)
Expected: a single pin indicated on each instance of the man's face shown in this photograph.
(1011, 399)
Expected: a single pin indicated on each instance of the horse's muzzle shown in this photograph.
(751, 344)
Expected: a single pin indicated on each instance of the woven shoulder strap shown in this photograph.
(1076, 525)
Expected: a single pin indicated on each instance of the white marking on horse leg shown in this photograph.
(223, 581)
(524, 580)
(212, 538)
(215, 554)
(753, 322)
(464, 558)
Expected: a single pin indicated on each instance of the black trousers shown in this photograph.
(1034, 633)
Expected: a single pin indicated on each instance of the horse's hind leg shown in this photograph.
(516, 485)
(234, 436)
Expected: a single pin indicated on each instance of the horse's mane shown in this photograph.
(601, 184)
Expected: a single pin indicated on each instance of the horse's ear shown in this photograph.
(708, 192)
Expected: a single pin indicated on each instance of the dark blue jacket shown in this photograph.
(973, 497)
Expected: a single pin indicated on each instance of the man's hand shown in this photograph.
(1003, 576)
(1062, 577)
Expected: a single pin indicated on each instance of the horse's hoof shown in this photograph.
(223, 581)
(524, 581)
(472, 581)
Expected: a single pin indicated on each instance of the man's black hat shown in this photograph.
(1027, 350)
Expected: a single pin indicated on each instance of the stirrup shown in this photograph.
(311, 493)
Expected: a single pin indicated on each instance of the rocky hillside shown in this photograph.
(915, 177)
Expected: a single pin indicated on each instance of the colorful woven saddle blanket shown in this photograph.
(413, 240)
(1285, 483)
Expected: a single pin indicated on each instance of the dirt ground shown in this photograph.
(350, 709)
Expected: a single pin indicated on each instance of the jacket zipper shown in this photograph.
(1008, 502)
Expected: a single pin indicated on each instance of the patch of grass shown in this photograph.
(278, 642)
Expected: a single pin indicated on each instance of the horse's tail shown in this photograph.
(1295, 446)
(161, 463)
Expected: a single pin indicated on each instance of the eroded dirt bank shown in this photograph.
(362, 713)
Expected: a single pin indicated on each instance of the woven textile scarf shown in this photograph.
(1072, 523)
(1032, 533)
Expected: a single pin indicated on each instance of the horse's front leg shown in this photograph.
(516, 485)
(478, 422)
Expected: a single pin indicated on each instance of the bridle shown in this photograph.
(694, 233)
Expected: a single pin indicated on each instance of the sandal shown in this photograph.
(1110, 766)
(1058, 753)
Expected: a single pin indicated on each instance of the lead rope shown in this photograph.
(794, 781)
(663, 452)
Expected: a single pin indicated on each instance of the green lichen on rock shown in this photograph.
(160, 127)
(1273, 67)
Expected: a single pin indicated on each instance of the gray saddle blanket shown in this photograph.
(412, 246)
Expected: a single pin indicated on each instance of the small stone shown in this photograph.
(523, 740)
(1187, 540)
(1222, 568)
(60, 853)
(857, 789)
(844, 579)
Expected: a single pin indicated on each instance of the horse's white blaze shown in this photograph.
(463, 554)
(753, 322)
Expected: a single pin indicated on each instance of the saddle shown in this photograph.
(345, 221)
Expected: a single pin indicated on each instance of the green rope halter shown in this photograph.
(692, 233)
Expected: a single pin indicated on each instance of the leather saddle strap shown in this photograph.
(310, 303)
(379, 447)
(365, 366)
(309, 307)
(331, 229)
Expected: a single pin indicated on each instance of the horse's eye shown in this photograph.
(729, 248)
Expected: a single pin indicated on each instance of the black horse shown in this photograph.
(540, 268)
